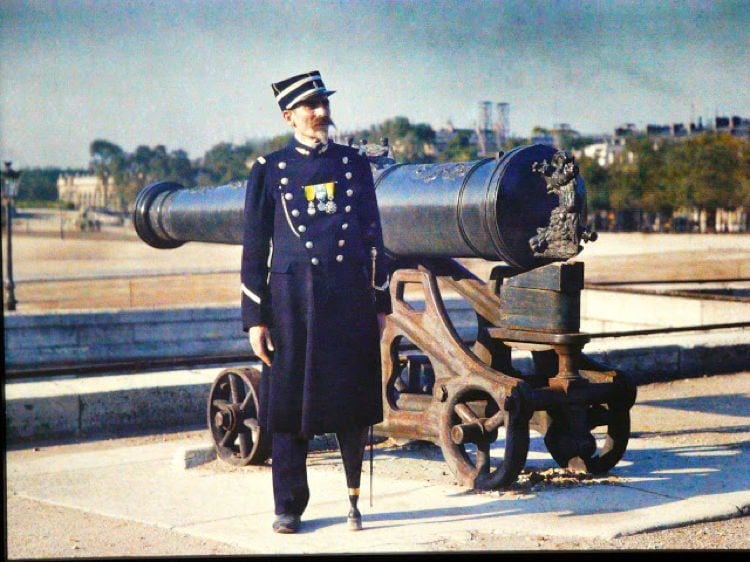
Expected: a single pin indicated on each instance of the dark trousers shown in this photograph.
(289, 467)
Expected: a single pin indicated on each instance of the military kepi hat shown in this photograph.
(298, 88)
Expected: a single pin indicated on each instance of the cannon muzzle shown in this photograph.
(527, 207)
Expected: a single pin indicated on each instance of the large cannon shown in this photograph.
(526, 208)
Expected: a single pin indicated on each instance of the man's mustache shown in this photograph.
(322, 122)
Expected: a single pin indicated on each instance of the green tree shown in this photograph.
(577, 143)
(40, 184)
(459, 149)
(655, 194)
(409, 142)
(180, 167)
(226, 162)
(744, 173)
(597, 180)
(708, 171)
(109, 163)
(276, 143)
(625, 188)
(512, 142)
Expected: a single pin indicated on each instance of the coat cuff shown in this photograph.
(255, 309)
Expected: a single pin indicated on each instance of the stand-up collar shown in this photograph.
(306, 150)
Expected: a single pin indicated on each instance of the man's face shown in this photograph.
(310, 118)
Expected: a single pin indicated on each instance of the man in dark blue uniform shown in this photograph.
(315, 295)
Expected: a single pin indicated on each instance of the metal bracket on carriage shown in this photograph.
(471, 401)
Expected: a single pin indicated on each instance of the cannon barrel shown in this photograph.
(526, 207)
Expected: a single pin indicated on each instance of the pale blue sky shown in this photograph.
(191, 73)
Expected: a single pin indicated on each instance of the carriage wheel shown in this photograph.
(233, 418)
(615, 442)
(605, 454)
(466, 443)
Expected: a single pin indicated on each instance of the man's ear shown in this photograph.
(287, 116)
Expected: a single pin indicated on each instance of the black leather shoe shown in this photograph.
(286, 523)
(354, 519)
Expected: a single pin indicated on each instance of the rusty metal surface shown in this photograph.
(233, 417)
(476, 391)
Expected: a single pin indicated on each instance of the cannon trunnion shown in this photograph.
(525, 208)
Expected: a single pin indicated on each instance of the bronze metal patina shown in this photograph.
(562, 237)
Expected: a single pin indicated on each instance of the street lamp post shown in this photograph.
(9, 192)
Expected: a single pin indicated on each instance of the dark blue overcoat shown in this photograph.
(313, 287)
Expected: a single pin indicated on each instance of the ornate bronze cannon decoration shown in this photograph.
(526, 209)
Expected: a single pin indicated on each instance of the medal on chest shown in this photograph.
(319, 197)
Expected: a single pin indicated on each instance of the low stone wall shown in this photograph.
(93, 337)
(611, 310)
(96, 336)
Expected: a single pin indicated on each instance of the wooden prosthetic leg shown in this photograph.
(352, 446)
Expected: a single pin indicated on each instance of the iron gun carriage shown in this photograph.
(524, 209)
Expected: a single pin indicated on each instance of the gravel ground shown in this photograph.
(39, 530)
(48, 531)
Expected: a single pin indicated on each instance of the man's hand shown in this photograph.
(260, 341)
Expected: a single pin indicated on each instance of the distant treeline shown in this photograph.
(656, 175)
(709, 171)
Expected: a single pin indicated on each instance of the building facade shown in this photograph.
(84, 191)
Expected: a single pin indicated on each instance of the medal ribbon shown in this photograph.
(319, 189)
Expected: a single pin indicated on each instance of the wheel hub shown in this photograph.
(226, 419)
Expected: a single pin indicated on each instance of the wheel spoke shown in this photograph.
(220, 404)
(493, 422)
(246, 401)
(245, 445)
(254, 427)
(465, 413)
(228, 438)
(483, 457)
(235, 384)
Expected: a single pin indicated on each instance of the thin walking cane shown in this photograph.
(371, 466)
